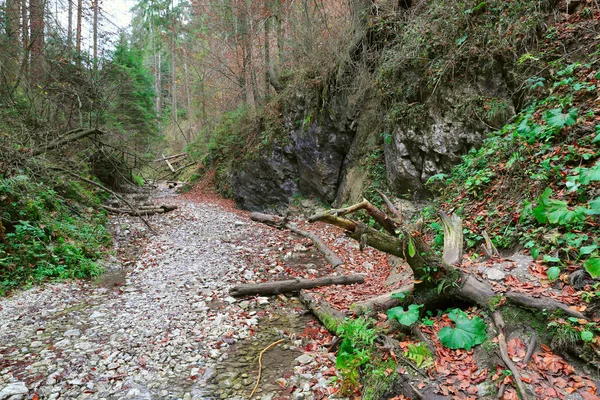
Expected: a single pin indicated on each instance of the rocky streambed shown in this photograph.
(160, 323)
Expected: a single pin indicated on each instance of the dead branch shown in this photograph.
(411, 246)
(499, 322)
(177, 171)
(293, 285)
(168, 163)
(279, 222)
(77, 135)
(169, 157)
(390, 206)
(151, 210)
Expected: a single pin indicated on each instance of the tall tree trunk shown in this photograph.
(279, 16)
(70, 25)
(242, 78)
(13, 19)
(78, 33)
(159, 83)
(203, 97)
(24, 26)
(95, 27)
(188, 95)
(13, 30)
(267, 57)
(249, 44)
(36, 24)
(173, 75)
(309, 37)
(156, 71)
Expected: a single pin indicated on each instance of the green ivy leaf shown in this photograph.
(592, 266)
(556, 119)
(466, 334)
(587, 336)
(407, 317)
(535, 253)
(553, 273)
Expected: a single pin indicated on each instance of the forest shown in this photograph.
(296, 199)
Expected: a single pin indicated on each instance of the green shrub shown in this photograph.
(45, 236)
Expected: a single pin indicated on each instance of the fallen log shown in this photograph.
(293, 285)
(144, 210)
(329, 317)
(280, 223)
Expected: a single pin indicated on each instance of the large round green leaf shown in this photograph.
(466, 334)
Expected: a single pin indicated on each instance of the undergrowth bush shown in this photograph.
(48, 232)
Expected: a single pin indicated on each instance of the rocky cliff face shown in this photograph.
(309, 161)
(330, 136)
(323, 153)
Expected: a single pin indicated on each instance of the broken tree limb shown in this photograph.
(453, 238)
(390, 206)
(168, 163)
(176, 171)
(99, 186)
(381, 302)
(329, 255)
(169, 157)
(386, 222)
(293, 285)
(279, 222)
(329, 317)
(141, 210)
(499, 322)
(77, 135)
(548, 304)
(489, 250)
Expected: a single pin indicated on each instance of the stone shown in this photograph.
(72, 333)
(304, 359)
(14, 389)
(96, 314)
(495, 274)
(300, 248)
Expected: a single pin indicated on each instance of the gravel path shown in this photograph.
(164, 328)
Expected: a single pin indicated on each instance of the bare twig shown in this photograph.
(260, 365)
